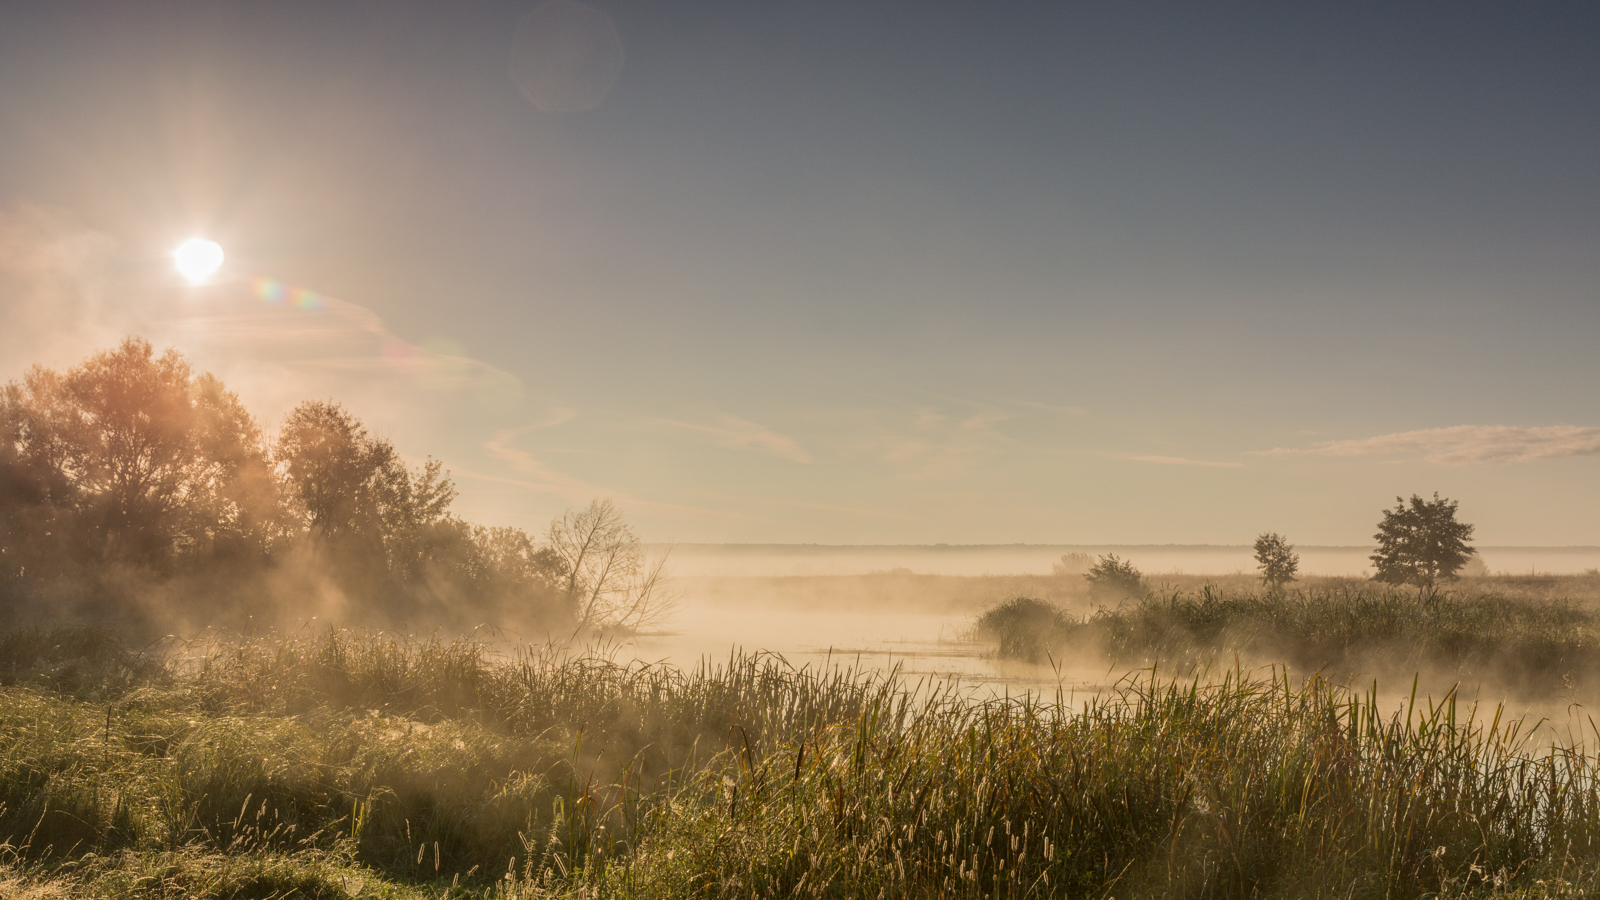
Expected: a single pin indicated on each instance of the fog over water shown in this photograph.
(912, 607)
(1013, 559)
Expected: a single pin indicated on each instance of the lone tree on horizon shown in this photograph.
(1421, 544)
(1276, 559)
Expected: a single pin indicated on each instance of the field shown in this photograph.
(352, 764)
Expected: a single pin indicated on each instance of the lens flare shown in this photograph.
(270, 290)
(197, 259)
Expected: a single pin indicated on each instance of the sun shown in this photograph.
(197, 259)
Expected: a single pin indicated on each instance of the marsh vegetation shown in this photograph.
(344, 764)
(1221, 753)
(1529, 642)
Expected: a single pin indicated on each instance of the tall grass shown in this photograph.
(336, 763)
(1531, 646)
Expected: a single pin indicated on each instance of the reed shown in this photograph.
(345, 764)
(1532, 647)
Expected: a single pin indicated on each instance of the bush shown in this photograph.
(1025, 629)
(1113, 578)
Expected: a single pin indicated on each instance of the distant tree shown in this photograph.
(1276, 559)
(610, 582)
(1071, 564)
(1113, 577)
(1422, 543)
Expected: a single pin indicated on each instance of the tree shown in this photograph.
(359, 499)
(610, 582)
(149, 461)
(1276, 559)
(336, 471)
(1071, 564)
(1114, 577)
(1422, 543)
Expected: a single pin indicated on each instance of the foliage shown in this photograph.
(342, 764)
(1421, 544)
(129, 458)
(1111, 577)
(134, 491)
(1071, 564)
(1276, 559)
(1534, 647)
(1023, 628)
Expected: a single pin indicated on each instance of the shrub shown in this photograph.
(1113, 578)
(1024, 628)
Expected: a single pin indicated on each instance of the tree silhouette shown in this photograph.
(380, 519)
(148, 461)
(1422, 543)
(1276, 559)
(335, 470)
(135, 491)
(609, 580)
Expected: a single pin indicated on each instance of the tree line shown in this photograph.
(134, 489)
(1420, 543)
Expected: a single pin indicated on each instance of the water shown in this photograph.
(920, 646)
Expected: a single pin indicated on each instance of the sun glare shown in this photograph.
(197, 259)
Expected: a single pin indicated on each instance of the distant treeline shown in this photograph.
(133, 490)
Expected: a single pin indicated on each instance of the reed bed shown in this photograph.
(1531, 647)
(344, 764)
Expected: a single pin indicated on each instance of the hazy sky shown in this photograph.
(853, 272)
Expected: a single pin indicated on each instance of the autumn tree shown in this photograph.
(151, 462)
(134, 490)
(1421, 543)
(1276, 559)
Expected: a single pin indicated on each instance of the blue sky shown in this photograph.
(855, 272)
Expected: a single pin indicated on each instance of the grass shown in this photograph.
(1532, 647)
(342, 764)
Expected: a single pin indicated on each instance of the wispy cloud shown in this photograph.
(1182, 461)
(1464, 445)
(542, 479)
(928, 442)
(743, 434)
(1049, 407)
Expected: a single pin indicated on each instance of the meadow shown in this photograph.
(339, 763)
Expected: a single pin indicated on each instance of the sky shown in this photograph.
(852, 272)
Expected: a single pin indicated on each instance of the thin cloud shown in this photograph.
(1464, 445)
(1182, 461)
(542, 479)
(929, 442)
(1050, 407)
(743, 434)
